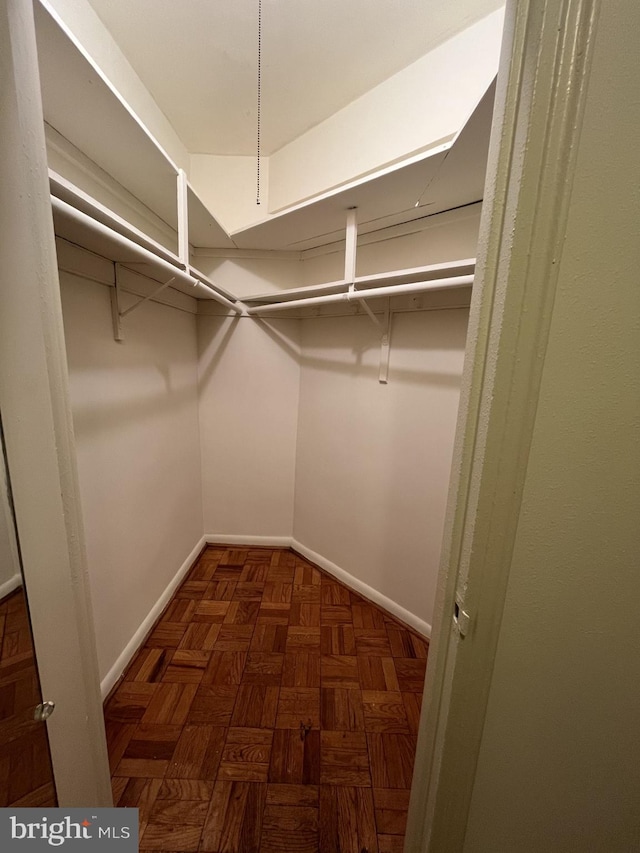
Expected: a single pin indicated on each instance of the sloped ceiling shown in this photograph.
(198, 58)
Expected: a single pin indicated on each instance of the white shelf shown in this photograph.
(451, 176)
(78, 224)
(204, 229)
(86, 110)
(387, 279)
(111, 150)
(66, 191)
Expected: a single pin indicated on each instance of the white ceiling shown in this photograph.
(198, 58)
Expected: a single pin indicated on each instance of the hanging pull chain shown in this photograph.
(259, 98)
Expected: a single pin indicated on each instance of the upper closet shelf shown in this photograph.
(82, 229)
(66, 191)
(450, 175)
(204, 229)
(105, 152)
(85, 109)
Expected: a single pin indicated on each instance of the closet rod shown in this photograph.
(371, 293)
(145, 255)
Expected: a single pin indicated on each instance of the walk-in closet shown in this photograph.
(319, 388)
(264, 351)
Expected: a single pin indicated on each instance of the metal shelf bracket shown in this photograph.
(385, 346)
(116, 317)
(117, 314)
(350, 245)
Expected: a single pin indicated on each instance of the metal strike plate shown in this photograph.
(43, 711)
(461, 618)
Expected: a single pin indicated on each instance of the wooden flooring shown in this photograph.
(271, 710)
(26, 777)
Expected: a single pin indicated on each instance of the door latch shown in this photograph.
(461, 618)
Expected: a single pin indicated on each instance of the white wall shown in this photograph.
(558, 767)
(249, 381)
(250, 276)
(227, 185)
(248, 392)
(136, 425)
(373, 460)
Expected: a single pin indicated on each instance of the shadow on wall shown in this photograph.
(115, 415)
(369, 343)
(148, 378)
(225, 326)
(370, 371)
(351, 345)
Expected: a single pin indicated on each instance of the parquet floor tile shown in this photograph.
(246, 755)
(298, 705)
(26, 775)
(342, 709)
(256, 706)
(347, 820)
(295, 759)
(271, 710)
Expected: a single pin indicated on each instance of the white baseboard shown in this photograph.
(9, 586)
(347, 579)
(258, 541)
(364, 589)
(136, 641)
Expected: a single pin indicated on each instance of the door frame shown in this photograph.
(542, 82)
(38, 429)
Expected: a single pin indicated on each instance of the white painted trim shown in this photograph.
(147, 624)
(38, 430)
(9, 586)
(364, 589)
(240, 539)
(541, 90)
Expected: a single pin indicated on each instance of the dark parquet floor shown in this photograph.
(271, 710)
(26, 776)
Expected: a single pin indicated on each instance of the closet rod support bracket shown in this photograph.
(385, 346)
(350, 246)
(151, 295)
(116, 313)
(116, 316)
